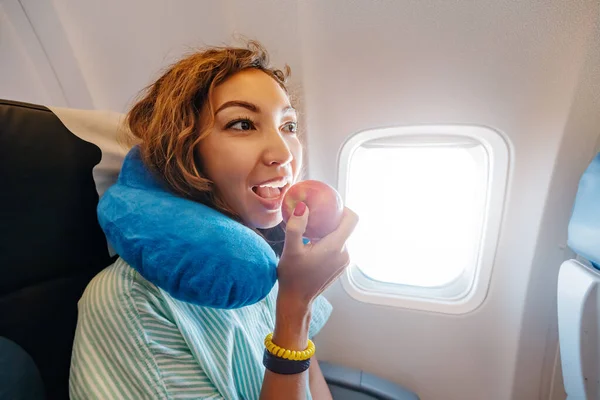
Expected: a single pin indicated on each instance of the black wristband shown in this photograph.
(283, 366)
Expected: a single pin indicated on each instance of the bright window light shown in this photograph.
(430, 201)
(420, 211)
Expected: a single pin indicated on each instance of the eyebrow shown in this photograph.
(249, 106)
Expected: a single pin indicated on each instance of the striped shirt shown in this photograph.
(135, 341)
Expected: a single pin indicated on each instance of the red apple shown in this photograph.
(324, 204)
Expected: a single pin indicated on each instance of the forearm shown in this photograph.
(318, 386)
(291, 332)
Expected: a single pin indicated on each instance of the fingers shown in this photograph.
(337, 239)
(295, 228)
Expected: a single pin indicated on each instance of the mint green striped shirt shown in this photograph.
(135, 341)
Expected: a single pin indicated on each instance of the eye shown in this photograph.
(291, 127)
(243, 124)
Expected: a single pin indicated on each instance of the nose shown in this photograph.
(277, 150)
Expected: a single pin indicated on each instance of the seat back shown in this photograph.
(578, 297)
(584, 226)
(50, 242)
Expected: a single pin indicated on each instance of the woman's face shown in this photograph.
(252, 153)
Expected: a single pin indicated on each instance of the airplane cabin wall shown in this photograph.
(576, 150)
(527, 69)
(25, 74)
(515, 69)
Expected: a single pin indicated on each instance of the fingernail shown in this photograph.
(300, 208)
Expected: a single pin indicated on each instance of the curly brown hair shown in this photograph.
(166, 119)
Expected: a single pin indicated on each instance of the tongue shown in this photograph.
(267, 192)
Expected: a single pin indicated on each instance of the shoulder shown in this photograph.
(109, 331)
(107, 289)
(116, 287)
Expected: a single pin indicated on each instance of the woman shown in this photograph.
(219, 128)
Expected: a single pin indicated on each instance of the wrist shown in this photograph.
(292, 320)
(291, 304)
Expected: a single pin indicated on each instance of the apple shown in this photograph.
(324, 204)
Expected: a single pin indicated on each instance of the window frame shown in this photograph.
(436, 299)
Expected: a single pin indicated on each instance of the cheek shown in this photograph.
(231, 177)
(203, 157)
(297, 152)
(214, 156)
(213, 167)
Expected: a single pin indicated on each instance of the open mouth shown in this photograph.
(271, 193)
(267, 192)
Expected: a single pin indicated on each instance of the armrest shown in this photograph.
(362, 385)
(19, 376)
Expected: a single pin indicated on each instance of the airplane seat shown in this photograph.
(50, 242)
(578, 297)
(55, 164)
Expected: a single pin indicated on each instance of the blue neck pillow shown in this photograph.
(584, 226)
(193, 252)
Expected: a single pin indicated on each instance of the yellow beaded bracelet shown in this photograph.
(289, 354)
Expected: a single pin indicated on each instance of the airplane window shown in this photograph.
(423, 197)
(420, 212)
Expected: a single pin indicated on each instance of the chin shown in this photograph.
(267, 221)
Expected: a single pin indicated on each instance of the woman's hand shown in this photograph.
(305, 271)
